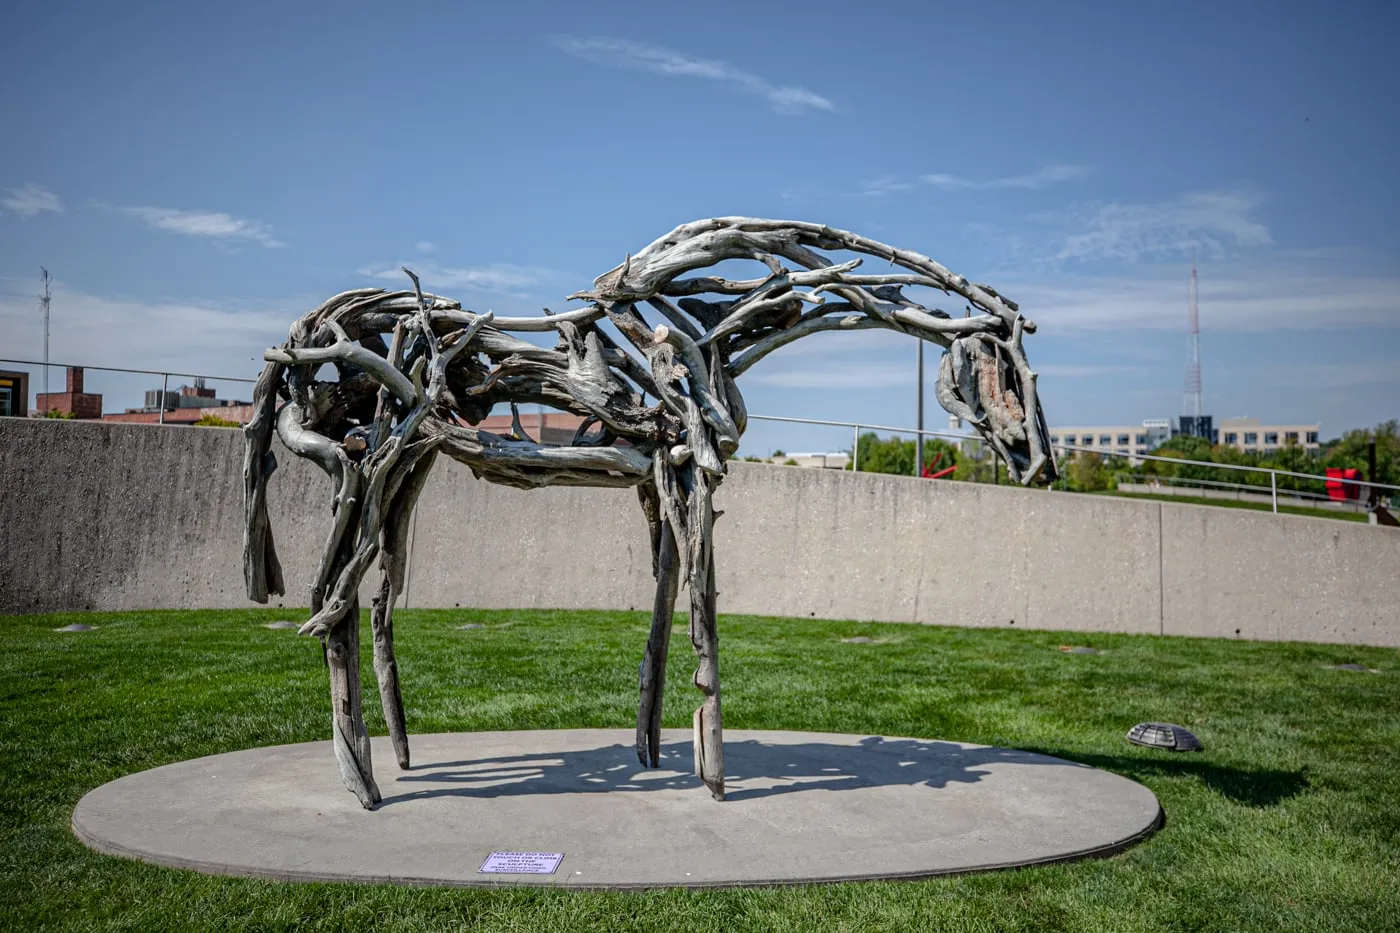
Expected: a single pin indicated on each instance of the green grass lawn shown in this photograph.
(1290, 820)
(1243, 504)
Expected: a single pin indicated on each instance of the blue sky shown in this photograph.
(196, 176)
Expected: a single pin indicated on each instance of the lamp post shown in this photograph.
(919, 438)
(44, 304)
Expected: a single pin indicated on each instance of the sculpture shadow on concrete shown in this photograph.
(651, 362)
(801, 767)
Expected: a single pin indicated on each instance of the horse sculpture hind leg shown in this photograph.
(665, 568)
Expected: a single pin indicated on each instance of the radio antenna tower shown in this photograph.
(1193, 352)
(44, 306)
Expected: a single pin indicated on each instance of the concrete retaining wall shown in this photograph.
(97, 516)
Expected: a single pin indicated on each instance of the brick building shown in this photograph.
(543, 427)
(73, 400)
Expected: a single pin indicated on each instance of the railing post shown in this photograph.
(855, 450)
(1273, 489)
(164, 387)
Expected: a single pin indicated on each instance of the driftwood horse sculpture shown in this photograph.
(414, 371)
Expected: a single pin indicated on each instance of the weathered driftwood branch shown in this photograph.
(261, 571)
(416, 372)
(653, 669)
(393, 560)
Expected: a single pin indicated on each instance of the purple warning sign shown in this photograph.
(521, 863)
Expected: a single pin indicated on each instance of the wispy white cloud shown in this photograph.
(1040, 178)
(31, 200)
(1218, 225)
(636, 56)
(183, 335)
(1114, 330)
(1238, 298)
(1081, 370)
(887, 184)
(839, 373)
(1030, 181)
(205, 223)
(497, 277)
(1349, 375)
(829, 365)
(1212, 222)
(425, 246)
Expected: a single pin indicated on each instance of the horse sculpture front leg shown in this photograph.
(704, 636)
(394, 560)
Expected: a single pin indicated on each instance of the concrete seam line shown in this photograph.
(1161, 578)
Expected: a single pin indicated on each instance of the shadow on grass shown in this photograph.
(1256, 788)
(754, 769)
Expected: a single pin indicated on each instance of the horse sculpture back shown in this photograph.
(415, 371)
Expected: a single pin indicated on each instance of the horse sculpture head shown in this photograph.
(415, 372)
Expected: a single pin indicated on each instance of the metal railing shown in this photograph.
(164, 374)
(856, 428)
(1300, 497)
(1274, 474)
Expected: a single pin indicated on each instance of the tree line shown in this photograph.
(1088, 472)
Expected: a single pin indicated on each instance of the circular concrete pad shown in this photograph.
(801, 807)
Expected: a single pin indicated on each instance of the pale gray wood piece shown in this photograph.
(386, 474)
(707, 722)
(346, 351)
(349, 737)
(651, 511)
(393, 560)
(345, 505)
(653, 669)
(712, 409)
(262, 572)
(386, 668)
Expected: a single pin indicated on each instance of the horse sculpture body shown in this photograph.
(415, 371)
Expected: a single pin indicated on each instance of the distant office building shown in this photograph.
(839, 460)
(1248, 434)
(1119, 440)
(184, 405)
(1245, 434)
(1197, 426)
(14, 394)
(195, 396)
(1159, 431)
(73, 401)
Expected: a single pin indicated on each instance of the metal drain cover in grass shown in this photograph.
(75, 627)
(1165, 735)
(281, 625)
(1361, 668)
(1078, 649)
